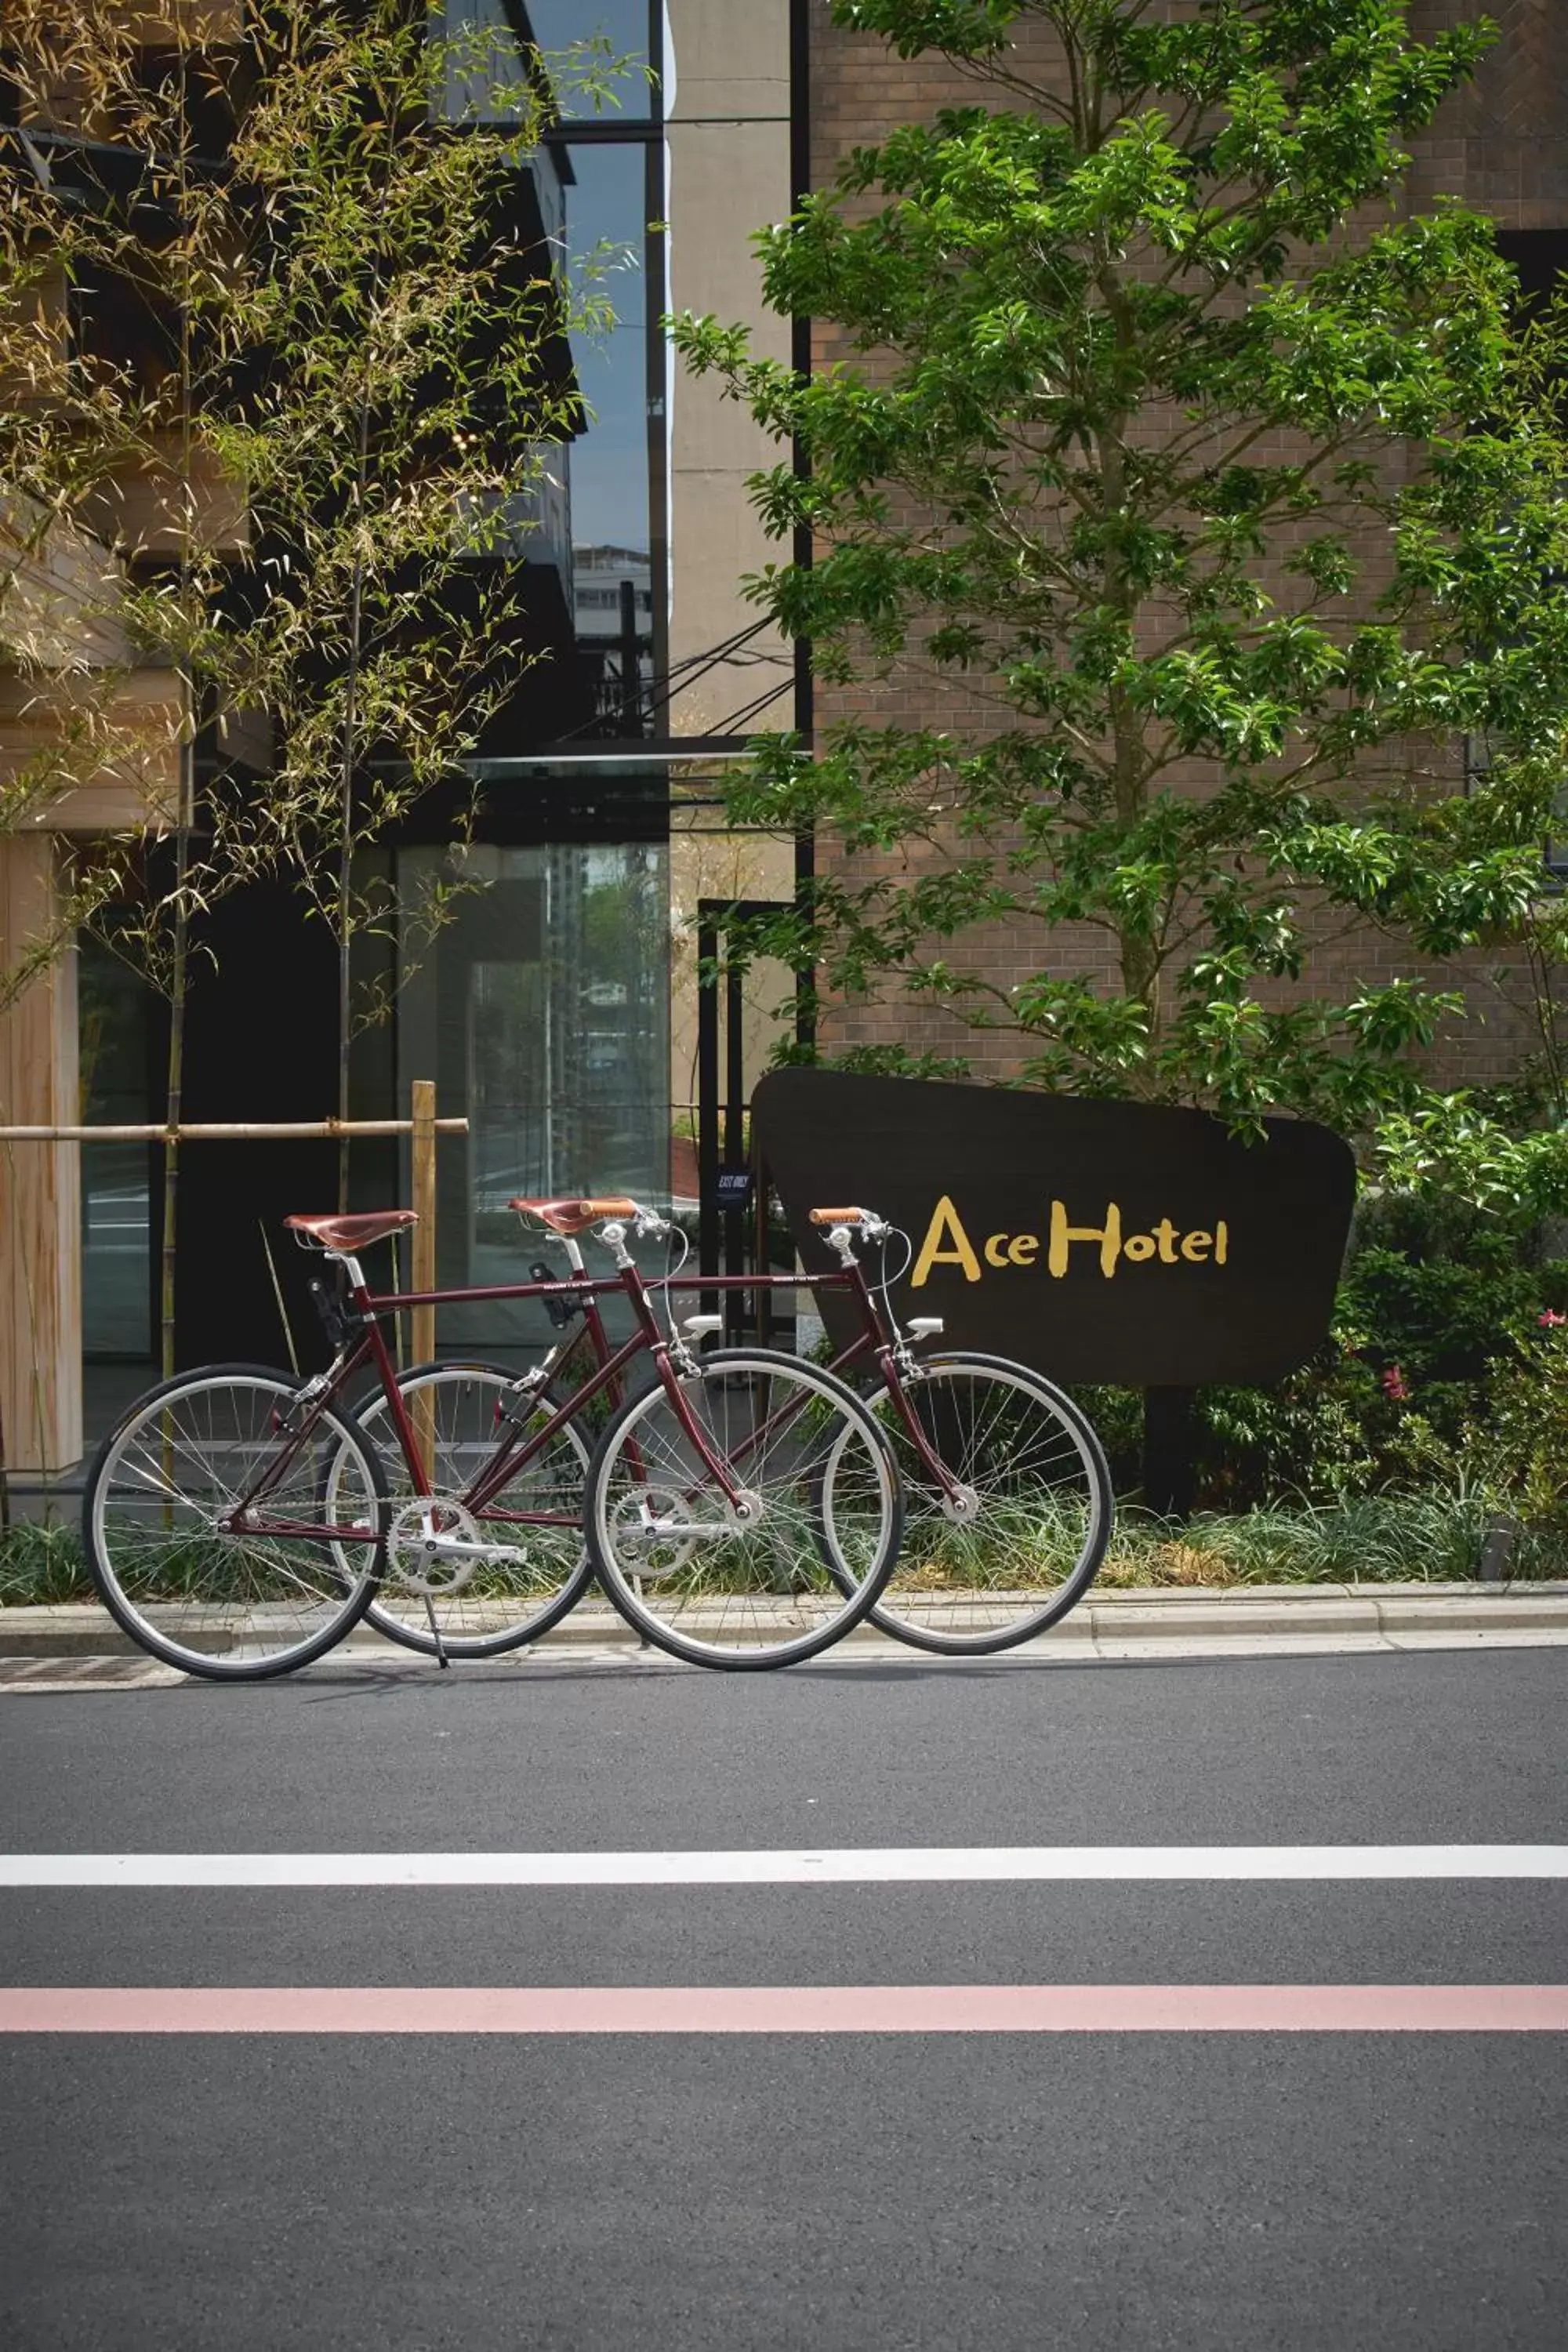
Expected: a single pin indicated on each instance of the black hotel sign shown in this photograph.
(1097, 1241)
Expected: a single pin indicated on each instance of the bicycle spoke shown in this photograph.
(1006, 1543)
(539, 1564)
(743, 1576)
(209, 1595)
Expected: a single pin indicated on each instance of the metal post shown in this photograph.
(422, 1258)
(735, 1144)
(762, 1262)
(1168, 1436)
(631, 667)
(708, 1110)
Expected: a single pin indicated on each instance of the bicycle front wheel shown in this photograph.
(540, 1568)
(203, 1524)
(739, 1571)
(1020, 1540)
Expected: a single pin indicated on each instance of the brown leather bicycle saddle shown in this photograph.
(572, 1217)
(356, 1232)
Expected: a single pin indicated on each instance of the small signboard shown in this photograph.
(1096, 1241)
(732, 1188)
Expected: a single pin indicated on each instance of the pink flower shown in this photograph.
(1549, 1320)
(1393, 1387)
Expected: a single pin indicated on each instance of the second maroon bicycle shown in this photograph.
(1008, 1505)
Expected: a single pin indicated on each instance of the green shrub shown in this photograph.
(41, 1564)
(1306, 1436)
(1443, 1294)
(1118, 1418)
(1434, 1538)
(1517, 1450)
(1435, 1354)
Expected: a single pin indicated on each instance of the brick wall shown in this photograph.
(1502, 144)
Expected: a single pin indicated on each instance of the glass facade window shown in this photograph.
(541, 1008)
(598, 515)
(485, 65)
(599, 51)
(606, 231)
(623, 26)
(616, 464)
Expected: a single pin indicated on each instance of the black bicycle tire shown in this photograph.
(491, 1645)
(145, 1638)
(805, 1646)
(1068, 1596)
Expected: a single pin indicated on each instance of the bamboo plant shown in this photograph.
(315, 326)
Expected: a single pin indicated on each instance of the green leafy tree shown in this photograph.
(1221, 496)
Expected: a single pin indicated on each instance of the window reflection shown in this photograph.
(487, 68)
(596, 513)
(606, 232)
(611, 558)
(542, 1010)
(559, 24)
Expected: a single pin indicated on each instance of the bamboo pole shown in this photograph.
(424, 1125)
(272, 1131)
(422, 1261)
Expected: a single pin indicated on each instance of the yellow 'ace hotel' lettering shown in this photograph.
(947, 1244)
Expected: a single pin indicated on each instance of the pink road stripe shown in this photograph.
(787, 2009)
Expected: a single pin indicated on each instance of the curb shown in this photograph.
(1136, 1618)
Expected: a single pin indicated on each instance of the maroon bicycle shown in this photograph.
(740, 1508)
(1007, 1499)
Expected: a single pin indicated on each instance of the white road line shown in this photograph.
(830, 1866)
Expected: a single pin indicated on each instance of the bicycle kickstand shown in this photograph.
(441, 1657)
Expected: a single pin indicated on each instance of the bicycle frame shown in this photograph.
(364, 1343)
(891, 1353)
(582, 1290)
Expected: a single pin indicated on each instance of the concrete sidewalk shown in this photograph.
(1115, 1624)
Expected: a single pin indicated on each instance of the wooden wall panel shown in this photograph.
(40, 1184)
(106, 765)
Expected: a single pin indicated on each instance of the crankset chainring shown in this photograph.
(413, 1560)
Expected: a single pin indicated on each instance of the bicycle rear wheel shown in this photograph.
(236, 1604)
(541, 1568)
(751, 1583)
(1022, 1541)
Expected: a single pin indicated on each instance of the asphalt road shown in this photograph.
(992, 2190)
